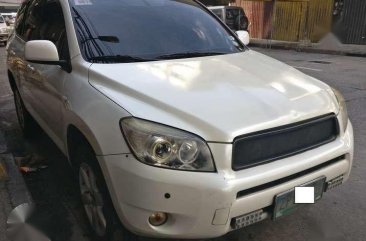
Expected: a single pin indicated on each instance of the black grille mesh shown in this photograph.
(273, 144)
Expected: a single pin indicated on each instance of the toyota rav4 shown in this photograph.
(174, 128)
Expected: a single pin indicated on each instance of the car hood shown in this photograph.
(216, 97)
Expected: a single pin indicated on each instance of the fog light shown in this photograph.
(158, 218)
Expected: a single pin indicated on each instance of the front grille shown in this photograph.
(280, 142)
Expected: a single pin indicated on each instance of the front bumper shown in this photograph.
(202, 205)
(4, 37)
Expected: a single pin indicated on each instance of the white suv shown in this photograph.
(3, 31)
(175, 128)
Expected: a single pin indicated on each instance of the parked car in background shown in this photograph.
(174, 128)
(10, 21)
(4, 31)
(233, 16)
(9, 18)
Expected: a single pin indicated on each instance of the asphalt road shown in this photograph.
(340, 215)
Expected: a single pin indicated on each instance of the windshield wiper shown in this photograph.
(111, 39)
(188, 55)
(118, 59)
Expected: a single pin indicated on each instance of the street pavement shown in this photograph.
(339, 216)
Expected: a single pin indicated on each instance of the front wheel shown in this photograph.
(98, 207)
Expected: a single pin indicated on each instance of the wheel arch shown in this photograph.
(12, 82)
(76, 136)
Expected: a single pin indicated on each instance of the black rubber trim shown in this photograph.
(288, 178)
(281, 129)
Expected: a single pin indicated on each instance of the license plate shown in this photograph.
(285, 202)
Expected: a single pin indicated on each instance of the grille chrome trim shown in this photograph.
(280, 140)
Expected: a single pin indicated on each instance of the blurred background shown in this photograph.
(307, 21)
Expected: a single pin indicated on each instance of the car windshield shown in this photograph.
(147, 30)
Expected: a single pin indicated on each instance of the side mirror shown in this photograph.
(41, 51)
(243, 36)
(44, 52)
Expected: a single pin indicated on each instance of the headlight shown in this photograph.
(343, 115)
(3, 30)
(163, 146)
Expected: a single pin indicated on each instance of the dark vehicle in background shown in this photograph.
(234, 17)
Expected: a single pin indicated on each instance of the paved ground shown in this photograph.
(340, 215)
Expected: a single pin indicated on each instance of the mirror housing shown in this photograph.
(44, 52)
(243, 36)
(39, 51)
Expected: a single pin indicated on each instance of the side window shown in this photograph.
(53, 28)
(63, 47)
(45, 21)
(21, 18)
(33, 19)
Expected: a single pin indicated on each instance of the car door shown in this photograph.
(47, 80)
(16, 61)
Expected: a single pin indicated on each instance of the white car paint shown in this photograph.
(195, 88)
(216, 97)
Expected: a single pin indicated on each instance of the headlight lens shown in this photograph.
(343, 115)
(3, 30)
(164, 146)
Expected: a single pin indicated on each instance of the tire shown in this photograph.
(26, 121)
(96, 200)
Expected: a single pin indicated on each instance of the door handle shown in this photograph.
(30, 67)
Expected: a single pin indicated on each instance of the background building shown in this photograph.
(306, 20)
